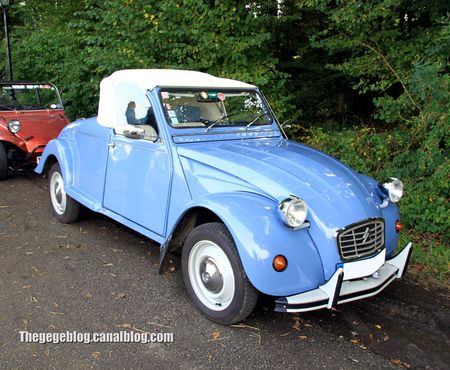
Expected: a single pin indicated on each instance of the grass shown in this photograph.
(430, 263)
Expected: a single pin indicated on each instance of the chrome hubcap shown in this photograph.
(211, 275)
(57, 193)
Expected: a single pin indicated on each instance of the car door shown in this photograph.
(137, 181)
(138, 170)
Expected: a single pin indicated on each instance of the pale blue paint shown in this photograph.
(238, 174)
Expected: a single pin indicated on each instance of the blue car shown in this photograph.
(200, 165)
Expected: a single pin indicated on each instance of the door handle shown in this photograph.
(112, 145)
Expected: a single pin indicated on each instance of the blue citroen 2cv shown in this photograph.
(200, 165)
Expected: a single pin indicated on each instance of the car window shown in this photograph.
(29, 97)
(134, 108)
(203, 108)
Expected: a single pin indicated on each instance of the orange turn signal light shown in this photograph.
(279, 263)
(398, 226)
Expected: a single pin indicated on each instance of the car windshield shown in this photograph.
(29, 97)
(214, 108)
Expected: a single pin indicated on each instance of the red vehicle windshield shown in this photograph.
(21, 96)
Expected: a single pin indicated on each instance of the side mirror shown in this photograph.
(133, 134)
(138, 132)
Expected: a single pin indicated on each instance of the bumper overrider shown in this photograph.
(350, 282)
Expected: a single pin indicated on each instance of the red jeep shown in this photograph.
(31, 114)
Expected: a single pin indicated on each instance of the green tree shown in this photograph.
(397, 52)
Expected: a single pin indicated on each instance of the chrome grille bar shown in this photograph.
(361, 239)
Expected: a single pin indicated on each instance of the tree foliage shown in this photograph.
(397, 53)
(366, 81)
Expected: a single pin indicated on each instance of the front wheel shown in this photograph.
(214, 277)
(3, 162)
(64, 208)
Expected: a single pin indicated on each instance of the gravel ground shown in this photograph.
(97, 276)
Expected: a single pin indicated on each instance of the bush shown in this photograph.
(381, 155)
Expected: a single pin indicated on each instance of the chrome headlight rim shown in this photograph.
(393, 188)
(286, 208)
(14, 126)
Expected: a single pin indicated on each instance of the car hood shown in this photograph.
(335, 195)
(38, 126)
(333, 192)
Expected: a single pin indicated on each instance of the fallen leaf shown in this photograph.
(172, 269)
(96, 355)
(297, 325)
(354, 333)
(216, 334)
(123, 326)
(378, 326)
(120, 295)
(398, 362)
(303, 337)
(88, 295)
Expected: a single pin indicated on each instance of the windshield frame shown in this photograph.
(204, 129)
(11, 84)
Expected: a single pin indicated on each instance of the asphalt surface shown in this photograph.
(97, 276)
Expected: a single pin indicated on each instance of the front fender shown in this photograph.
(260, 235)
(390, 214)
(61, 151)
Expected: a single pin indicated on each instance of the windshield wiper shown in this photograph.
(255, 119)
(212, 124)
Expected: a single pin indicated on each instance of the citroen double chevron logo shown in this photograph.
(366, 235)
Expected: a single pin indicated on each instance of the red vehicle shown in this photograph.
(31, 114)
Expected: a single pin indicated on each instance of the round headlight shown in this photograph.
(14, 126)
(394, 189)
(293, 211)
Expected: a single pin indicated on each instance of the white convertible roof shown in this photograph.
(147, 79)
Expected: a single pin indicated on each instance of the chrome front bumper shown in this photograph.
(347, 285)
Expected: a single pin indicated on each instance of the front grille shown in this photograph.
(361, 239)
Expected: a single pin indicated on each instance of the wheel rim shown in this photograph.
(57, 193)
(211, 275)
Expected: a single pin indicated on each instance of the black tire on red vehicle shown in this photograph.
(64, 208)
(214, 277)
(3, 162)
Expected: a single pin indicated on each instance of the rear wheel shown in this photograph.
(64, 208)
(3, 162)
(214, 277)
